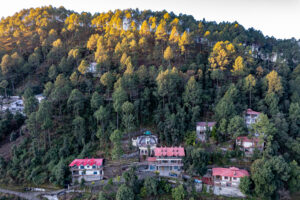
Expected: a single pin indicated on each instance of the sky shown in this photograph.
(278, 18)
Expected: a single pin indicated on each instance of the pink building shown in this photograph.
(229, 177)
(167, 160)
(201, 129)
(88, 169)
(248, 145)
(251, 117)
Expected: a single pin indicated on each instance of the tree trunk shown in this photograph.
(250, 98)
(117, 120)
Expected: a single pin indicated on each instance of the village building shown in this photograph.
(87, 169)
(167, 161)
(228, 177)
(251, 117)
(202, 128)
(146, 144)
(248, 145)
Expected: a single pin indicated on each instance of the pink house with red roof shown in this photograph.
(248, 145)
(202, 128)
(251, 117)
(88, 169)
(228, 177)
(167, 161)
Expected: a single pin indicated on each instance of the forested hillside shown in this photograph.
(153, 69)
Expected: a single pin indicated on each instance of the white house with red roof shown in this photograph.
(228, 177)
(248, 145)
(201, 129)
(87, 169)
(251, 117)
(167, 161)
(146, 144)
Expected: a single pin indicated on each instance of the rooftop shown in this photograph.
(169, 151)
(87, 161)
(246, 139)
(251, 112)
(230, 172)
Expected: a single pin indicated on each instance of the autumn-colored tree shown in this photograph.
(274, 83)
(168, 54)
(145, 29)
(83, 67)
(184, 42)
(174, 36)
(238, 68)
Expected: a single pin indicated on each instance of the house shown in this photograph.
(146, 143)
(228, 177)
(87, 169)
(167, 161)
(251, 117)
(201, 129)
(93, 67)
(40, 97)
(248, 145)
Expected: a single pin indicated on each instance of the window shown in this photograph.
(175, 167)
(94, 166)
(95, 172)
(226, 177)
(234, 178)
(81, 167)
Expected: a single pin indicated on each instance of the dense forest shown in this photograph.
(153, 70)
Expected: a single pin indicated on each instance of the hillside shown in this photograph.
(107, 75)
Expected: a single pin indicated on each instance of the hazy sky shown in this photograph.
(278, 18)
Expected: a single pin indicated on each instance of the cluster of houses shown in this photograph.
(246, 144)
(168, 161)
(15, 103)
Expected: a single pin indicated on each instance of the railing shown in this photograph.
(169, 164)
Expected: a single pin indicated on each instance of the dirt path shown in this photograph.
(29, 195)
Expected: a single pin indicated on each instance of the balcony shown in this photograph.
(169, 164)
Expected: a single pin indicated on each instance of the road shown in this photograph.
(27, 195)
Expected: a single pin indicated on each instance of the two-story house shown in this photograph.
(248, 145)
(202, 128)
(167, 161)
(251, 117)
(146, 144)
(228, 177)
(87, 169)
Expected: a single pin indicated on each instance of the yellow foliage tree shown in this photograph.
(168, 54)
(174, 36)
(274, 83)
(221, 55)
(161, 33)
(145, 29)
(238, 68)
(184, 42)
(83, 67)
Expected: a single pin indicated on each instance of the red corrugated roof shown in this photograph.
(169, 151)
(246, 139)
(84, 162)
(209, 124)
(151, 159)
(230, 172)
(251, 112)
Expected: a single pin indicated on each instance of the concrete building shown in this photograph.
(201, 129)
(228, 177)
(248, 145)
(87, 169)
(146, 143)
(167, 161)
(251, 117)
